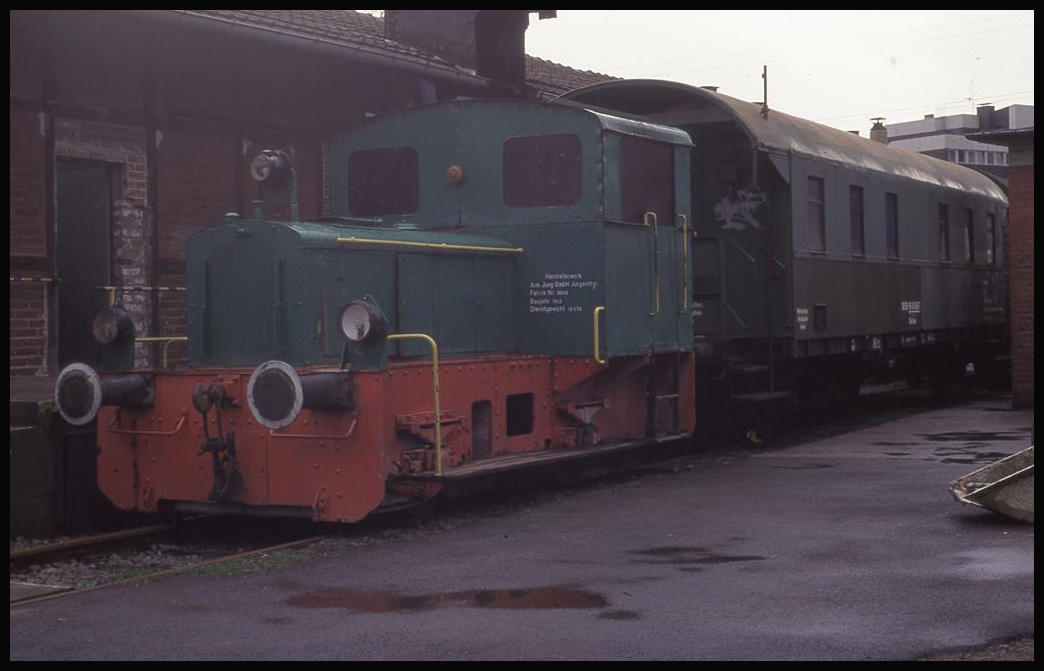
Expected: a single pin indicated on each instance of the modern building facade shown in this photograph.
(944, 137)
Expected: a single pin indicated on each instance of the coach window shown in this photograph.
(855, 220)
(646, 179)
(383, 181)
(892, 224)
(542, 170)
(969, 236)
(991, 240)
(816, 215)
(944, 233)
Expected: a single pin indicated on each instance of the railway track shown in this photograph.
(224, 540)
(72, 566)
(48, 552)
(21, 601)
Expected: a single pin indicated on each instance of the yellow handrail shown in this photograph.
(167, 340)
(685, 263)
(435, 384)
(113, 289)
(597, 338)
(651, 216)
(429, 245)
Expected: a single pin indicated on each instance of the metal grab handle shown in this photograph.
(347, 434)
(685, 264)
(597, 338)
(166, 340)
(435, 384)
(651, 217)
(135, 432)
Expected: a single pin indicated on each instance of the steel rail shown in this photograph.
(178, 569)
(87, 541)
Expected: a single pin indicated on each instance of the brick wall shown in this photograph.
(28, 215)
(197, 186)
(28, 327)
(1020, 226)
(173, 316)
(28, 239)
(78, 94)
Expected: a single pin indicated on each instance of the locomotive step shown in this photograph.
(749, 369)
(517, 462)
(762, 397)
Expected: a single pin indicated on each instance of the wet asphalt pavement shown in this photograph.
(849, 547)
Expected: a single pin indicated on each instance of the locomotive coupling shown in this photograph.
(80, 392)
(277, 394)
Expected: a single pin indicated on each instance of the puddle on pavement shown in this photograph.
(806, 467)
(692, 557)
(391, 602)
(968, 456)
(970, 436)
(619, 615)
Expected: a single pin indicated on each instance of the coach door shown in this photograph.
(83, 250)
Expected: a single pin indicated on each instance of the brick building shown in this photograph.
(1020, 250)
(131, 130)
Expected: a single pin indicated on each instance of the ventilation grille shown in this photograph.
(242, 302)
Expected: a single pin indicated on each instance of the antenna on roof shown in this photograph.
(764, 100)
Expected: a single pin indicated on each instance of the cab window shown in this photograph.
(542, 170)
(646, 179)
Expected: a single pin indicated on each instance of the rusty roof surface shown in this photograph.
(681, 104)
(355, 29)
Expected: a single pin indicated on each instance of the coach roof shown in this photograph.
(684, 105)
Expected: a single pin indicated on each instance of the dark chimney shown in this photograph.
(985, 114)
(492, 42)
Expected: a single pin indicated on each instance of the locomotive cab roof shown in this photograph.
(464, 163)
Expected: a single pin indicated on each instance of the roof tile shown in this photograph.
(354, 28)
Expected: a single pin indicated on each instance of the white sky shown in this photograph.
(839, 68)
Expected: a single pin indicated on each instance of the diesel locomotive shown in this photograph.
(508, 284)
(501, 284)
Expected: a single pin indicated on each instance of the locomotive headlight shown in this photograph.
(272, 166)
(361, 321)
(112, 325)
